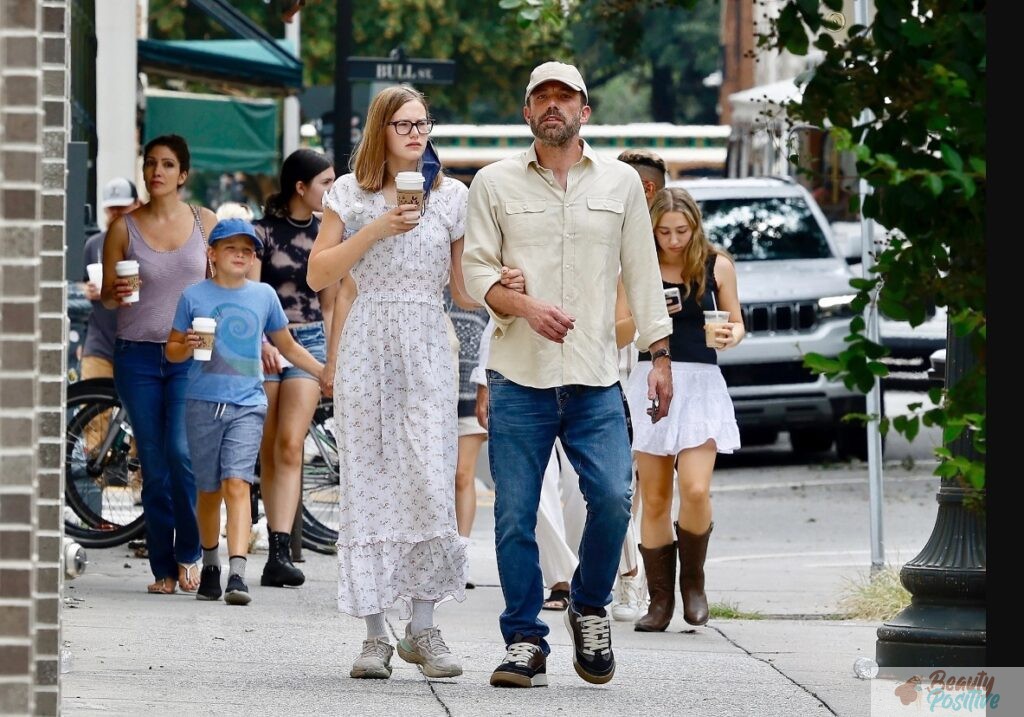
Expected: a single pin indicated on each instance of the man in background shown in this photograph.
(649, 166)
(119, 197)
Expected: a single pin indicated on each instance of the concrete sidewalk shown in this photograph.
(290, 650)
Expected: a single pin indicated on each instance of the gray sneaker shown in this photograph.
(427, 649)
(374, 662)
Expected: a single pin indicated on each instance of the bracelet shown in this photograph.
(659, 353)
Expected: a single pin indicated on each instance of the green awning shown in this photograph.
(224, 134)
(244, 62)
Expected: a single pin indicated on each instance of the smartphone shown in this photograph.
(673, 300)
(653, 410)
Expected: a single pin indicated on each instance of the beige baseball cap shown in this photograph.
(556, 72)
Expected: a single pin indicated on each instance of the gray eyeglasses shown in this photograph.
(404, 127)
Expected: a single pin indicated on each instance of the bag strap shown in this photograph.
(202, 233)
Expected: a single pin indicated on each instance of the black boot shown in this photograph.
(279, 571)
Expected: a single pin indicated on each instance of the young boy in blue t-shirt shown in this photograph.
(225, 401)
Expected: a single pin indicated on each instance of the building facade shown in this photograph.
(34, 126)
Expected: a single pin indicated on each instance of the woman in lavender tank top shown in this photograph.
(165, 237)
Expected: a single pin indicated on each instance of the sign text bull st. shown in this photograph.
(384, 69)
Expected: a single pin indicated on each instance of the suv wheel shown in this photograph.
(811, 440)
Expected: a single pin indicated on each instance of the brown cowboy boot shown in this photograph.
(692, 551)
(660, 566)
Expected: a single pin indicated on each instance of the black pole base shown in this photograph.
(933, 635)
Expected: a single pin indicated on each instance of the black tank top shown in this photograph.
(686, 343)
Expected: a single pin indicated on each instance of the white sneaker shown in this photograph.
(374, 663)
(427, 649)
(627, 604)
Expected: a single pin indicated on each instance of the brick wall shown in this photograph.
(33, 138)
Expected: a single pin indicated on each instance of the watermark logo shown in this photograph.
(902, 691)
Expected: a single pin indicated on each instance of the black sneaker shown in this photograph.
(592, 645)
(525, 665)
(209, 583)
(237, 592)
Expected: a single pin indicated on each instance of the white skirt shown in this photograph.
(700, 409)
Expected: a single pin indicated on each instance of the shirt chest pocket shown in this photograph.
(526, 220)
(604, 219)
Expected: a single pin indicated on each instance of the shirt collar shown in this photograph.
(530, 155)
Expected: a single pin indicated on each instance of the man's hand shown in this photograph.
(91, 291)
(659, 383)
(481, 405)
(549, 321)
(271, 359)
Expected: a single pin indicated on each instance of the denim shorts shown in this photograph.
(223, 440)
(310, 337)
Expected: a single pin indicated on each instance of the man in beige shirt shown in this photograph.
(569, 220)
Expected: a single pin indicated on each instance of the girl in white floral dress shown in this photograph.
(394, 392)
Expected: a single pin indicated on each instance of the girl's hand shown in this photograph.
(327, 376)
(729, 335)
(513, 279)
(397, 221)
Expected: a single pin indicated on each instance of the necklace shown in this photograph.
(298, 224)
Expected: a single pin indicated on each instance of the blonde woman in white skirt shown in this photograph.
(701, 422)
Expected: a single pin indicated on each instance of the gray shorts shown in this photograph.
(223, 441)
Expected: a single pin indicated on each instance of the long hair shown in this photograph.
(699, 250)
(302, 165)
(371, 153)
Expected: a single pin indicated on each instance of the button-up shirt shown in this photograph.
(570, 245)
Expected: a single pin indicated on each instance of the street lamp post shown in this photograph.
(342, 90)
(944, 625)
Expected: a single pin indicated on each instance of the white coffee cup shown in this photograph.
(207, 329)
(712, 321)
(409, 188)
(95, 274)
(129, 269)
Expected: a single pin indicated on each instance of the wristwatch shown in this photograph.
(659, 353)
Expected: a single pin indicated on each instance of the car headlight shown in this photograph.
(835, 306)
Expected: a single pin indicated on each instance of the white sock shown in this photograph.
(376, 626)
(422, 615)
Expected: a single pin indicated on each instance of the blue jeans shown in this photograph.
(152, 389)
(523, 423)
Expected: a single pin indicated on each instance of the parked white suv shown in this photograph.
(794, 287)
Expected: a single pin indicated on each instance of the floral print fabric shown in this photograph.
(394, 407)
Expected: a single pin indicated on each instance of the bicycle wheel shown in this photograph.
(102, 493)
(320, 482)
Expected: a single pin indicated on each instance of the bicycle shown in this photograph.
(102, 488)
(103, 484)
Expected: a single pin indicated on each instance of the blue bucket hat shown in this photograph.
(234, 227)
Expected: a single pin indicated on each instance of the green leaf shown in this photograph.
(951, 157)
(509, 4)
(530, 13)
(966, 182)
(934, 184)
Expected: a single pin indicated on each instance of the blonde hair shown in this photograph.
(370, 155)
(234, 210)
(699, 250)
